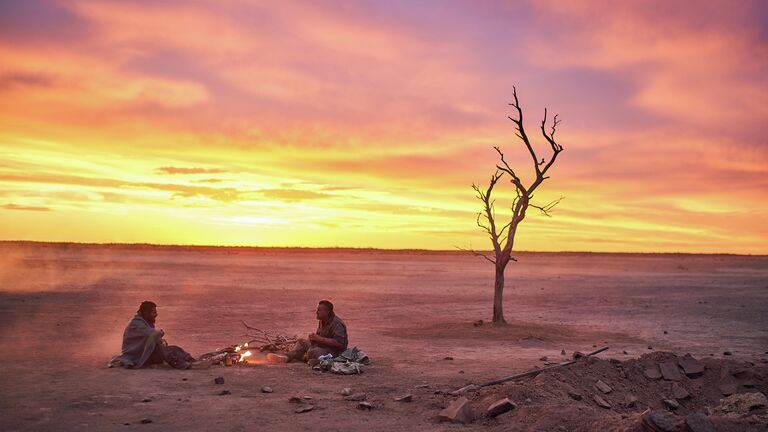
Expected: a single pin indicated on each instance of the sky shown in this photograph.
(365, 123)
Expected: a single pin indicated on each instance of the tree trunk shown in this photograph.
(498, 291)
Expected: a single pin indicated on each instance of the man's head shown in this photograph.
(324, 310)
(148, 311)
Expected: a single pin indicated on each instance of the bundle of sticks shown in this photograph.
(259, 339)
(266, 341)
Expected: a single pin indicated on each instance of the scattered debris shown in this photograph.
(692, 368)
(304, 408)
(671, 404)
(364, 406)
(296, 399)
(603, 387)
(652, 373)
(357, 397)
(346, 391)
(678, 392)
(225, 392)
(660, 421)
(670, 371)
(266, 389)
(727, 353)
(447, 358)
(146, 420)
(422, 386)
(147, 400)
(630, 401)
(575, 395)
(500, 407)
(458, 411)
(219, 380)
(601, 402)
(544, 358)
(577, 355)
(406, 398)
(741, 404)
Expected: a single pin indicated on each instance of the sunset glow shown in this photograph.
(363, 124)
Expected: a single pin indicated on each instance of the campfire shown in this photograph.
(260, 341)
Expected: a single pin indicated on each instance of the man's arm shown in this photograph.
(326, 342)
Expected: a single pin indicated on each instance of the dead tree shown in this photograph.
(503, 238)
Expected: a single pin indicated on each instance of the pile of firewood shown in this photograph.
(265, 341)
(259, 340)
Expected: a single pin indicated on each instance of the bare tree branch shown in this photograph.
(546, 209)
(476, 253)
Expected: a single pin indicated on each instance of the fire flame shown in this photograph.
(244, 355)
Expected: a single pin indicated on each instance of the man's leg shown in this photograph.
(156, 357)
(316, 351)
(299, 350)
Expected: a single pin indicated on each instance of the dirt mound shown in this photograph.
(658, 391)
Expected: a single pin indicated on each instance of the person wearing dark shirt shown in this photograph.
(330, 337)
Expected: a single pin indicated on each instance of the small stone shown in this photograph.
(577, 354)
(652, 373)
(625, 352)
(691, 367)
(304, 408)
(603, 387)
(147, 400)
(357, 397)
(601, 402)
(650, 347)
(461, 371)
(219, 380)
(307, 397)
(671, 404)
(146, 420)
(448, 358)
(678, 392)
(574, 395)
(225, 392)
(500, 407)
(346, 391)
(266, 389)
(406, 398)
(660, 420)
(544, 358)
(295, 399)
(458, 411)
(670, 371)
(698, 422)
(630, 401)
(727, 353)
(364, 406)
(478, 323)
(183, 379)
(422, 386)
(562, 352)
(665, 332)
(437, 392)
(528, 400)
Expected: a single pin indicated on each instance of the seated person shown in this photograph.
(144, 346)
(330, 337)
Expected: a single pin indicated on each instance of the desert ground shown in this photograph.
(63, 309)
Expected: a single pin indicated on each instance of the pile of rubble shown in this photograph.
(656, 392)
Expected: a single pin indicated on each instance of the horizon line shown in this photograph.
(358, 248)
